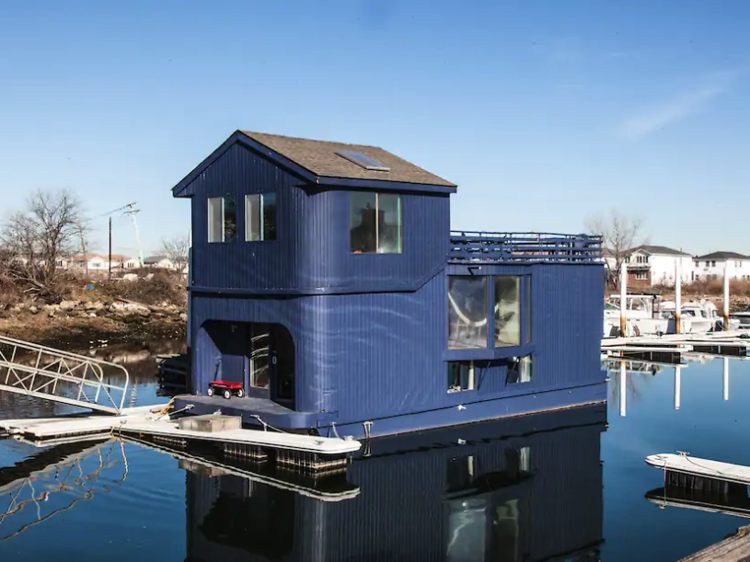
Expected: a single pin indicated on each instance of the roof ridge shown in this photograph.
(248, 132)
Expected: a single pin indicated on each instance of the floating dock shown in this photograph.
(671, 348)
(225, 433)
(692, 467)
(735, 548)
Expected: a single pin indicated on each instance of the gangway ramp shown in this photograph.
(60, 376)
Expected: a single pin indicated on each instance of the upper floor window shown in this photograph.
(260, 217)
(375, 223)
(222, 219)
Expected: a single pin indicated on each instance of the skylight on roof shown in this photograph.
(364, 161)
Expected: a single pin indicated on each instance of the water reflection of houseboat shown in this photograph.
(325, 278)
(528, 489)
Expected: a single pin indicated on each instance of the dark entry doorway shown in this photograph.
(259, 355)
(270, 363)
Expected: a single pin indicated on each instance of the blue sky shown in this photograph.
(543, 112)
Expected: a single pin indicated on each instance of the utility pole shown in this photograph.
(109, 274)
(83, 248)
(132, 211)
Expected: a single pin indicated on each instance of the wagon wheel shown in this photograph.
(241, 392)
(210, 391)
(227, 393)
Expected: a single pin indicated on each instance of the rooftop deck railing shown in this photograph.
(511, 247)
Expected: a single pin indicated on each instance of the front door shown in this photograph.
(270, 363)
(261, 361)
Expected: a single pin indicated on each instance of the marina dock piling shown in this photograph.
(726, 295)
(623, 299)
(677, 295)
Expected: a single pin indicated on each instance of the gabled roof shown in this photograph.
(154, 259)
(723, 256)
(321, 159)
(658, 250)
(316, 162)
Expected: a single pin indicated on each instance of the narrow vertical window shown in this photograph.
(260, 217)
(375, 223)
(389, 224)
(507, 310)
(519, 370)
(230, 219)
(252, 217)
(527, 309)
(215, 220)
(467, 311)
(460, 376)
(269, 216)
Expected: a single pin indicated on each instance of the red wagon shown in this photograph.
(226, 389)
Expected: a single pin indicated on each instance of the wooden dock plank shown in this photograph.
(735, 548)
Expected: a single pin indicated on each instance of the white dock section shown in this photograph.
(702, 468)
(255, 437)
(149, 421)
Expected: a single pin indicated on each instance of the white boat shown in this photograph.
(644, 314)
(702, 315)
(742, 319)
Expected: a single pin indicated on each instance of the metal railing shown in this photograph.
(510, 247)
(48, 373)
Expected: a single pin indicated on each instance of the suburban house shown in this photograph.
(119, 261)
(90, 262)
(656, 265)
(326, 280)
(713, 266)
(159, 262)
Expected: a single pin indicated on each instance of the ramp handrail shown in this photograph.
(59, 365)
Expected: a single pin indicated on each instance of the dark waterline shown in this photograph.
(534, 488)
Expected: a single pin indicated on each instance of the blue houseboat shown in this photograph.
(326, 280)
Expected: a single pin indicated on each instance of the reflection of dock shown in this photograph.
(625, 367)
(736, 504)
(71, 471)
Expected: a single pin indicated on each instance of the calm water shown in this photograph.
(534, 488)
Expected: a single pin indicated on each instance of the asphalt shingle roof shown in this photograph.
(723, 256)
(662, 250)
(321, 159)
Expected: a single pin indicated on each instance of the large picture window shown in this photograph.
(375, 223)
(260, 217)
(222, 219)
(467, 311)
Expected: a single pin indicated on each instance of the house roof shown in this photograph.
(658, 250)
(321, 159)
(722, 256)
(154, 259)
(317, 162)
(87, 257)
(120, 257)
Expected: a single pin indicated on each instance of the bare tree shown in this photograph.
(37, 239)
(176, 249)
(620, 235)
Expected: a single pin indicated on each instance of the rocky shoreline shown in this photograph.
(87, 323)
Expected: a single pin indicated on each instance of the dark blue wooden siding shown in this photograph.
(311, 252)
(400, 512)
(374, 355)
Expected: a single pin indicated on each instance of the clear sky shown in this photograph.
(542, 112)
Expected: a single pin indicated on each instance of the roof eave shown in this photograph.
(386, 185)
(182, 189)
